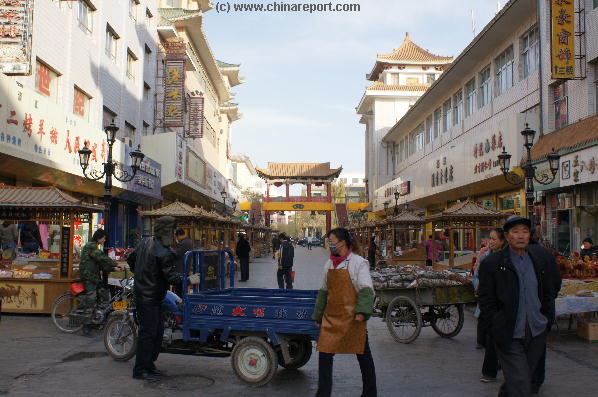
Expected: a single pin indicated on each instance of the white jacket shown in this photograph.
(359, 271)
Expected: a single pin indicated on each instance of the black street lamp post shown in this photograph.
(396, 211)
(386, 204)
(109, 170)
(529, 171)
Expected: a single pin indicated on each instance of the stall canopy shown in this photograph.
(41, 197)
(407, 218)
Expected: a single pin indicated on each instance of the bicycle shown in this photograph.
(68, 318)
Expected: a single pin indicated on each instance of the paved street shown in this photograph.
(37, 359)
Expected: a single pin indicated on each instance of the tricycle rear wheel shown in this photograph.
(447, 320)
(254, 361)
(300, 351)
(403, 319)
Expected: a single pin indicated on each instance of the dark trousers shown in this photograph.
(518, 363)
(151, 332)
(366, 365)
(372, 259)
(490, 365)
(244, 267)
(540, 372)
(284, 275)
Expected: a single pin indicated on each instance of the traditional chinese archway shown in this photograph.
(309, 174)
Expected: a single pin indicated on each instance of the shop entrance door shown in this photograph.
(563, 234)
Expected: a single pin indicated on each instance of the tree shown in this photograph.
(252, 196)
(339, 192)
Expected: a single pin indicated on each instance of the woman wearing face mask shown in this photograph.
(345, 302)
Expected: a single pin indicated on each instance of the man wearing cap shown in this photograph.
(154, 264)
(587, 248)
(518, 286)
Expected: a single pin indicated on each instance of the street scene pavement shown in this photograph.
(36, 359)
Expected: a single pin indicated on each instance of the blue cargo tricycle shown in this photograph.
(259, 328)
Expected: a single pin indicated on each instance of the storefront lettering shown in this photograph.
(490, 144)
(443, 174)
(484, 166)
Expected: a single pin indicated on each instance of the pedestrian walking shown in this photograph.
(344, 304)
(243, 249)
(93, 263)
(275, 246)
(432, 250)
(154, 264)
(285, 263)
(518, 286)
(372, 248)
(495, 243)
(183, 244)
(309, 243)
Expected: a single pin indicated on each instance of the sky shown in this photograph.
(305, 73)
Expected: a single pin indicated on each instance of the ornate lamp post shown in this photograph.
(529, 170)
(224, 195)
(396, 211)
(109, 170)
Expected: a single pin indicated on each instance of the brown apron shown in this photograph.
(339, 332)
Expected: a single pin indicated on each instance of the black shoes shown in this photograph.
(149, 376)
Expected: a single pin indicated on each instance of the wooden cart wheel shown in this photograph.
(403, 319)
(447, 320)
(300, 351)
(63, 313)
(254, 361)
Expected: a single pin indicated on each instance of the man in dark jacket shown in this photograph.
(183, 245)
(275, 245)
(154, 265)
(242, 251)
(285, 263)
(518, 286)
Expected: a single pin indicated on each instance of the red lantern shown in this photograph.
(319, 184)
(278, 184)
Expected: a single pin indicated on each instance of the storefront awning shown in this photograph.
(41, 197)
(466, 213)
(576, 135)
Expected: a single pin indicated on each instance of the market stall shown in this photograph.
(405, 233)
(466, 217)
(51, 228)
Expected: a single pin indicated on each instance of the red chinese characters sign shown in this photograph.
(562, 43)
(79, 103)
(15, 36)
(196, 115)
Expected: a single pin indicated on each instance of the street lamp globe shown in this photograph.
(528, 136)
(111, 131)
(84, 155)
(553, 161)
(136, 158)
(504, 160)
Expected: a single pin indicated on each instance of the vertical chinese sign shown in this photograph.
(196, 111)
(16, 23)
(174, 84)
(562, 35)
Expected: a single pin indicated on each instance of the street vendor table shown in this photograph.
(576, 304)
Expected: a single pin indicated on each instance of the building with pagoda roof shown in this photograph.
(397, 79)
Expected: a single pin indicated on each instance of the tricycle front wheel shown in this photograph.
(403, 319)
(254, 361)
(447, 320)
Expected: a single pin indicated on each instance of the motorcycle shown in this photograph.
(67, 316)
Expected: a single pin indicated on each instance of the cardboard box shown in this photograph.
(587, 330)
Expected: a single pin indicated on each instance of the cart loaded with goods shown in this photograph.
(411, 297)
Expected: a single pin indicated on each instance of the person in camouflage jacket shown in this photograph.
(93, 261)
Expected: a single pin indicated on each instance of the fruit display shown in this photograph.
(415, 277)
(578, 267)
(578, 288)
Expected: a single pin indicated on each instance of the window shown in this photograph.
(405, 149)
(147, 92)
(446, 115)
(148, 54)
(173, 3)
(131, 59)
(419, 137)
(437, 121)
(560, 106)
(46, 80)
(401, 151)
(108, 116)
(86, 16)
(469, 97)
(458, 107)
(355, 180)
(595, 3)
(133, 9)
(504, 71)
(146, 129)
(531, 52)
(129, 134)
(429, 130)
(485, 87)
(81, 103)
(111, 42)
(393, 78)
(412, 81)
(430, 78)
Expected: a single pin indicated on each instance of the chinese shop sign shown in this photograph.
(562, 39)
(174, 83)
(16, 22)
(196, 112)
(443, 173)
